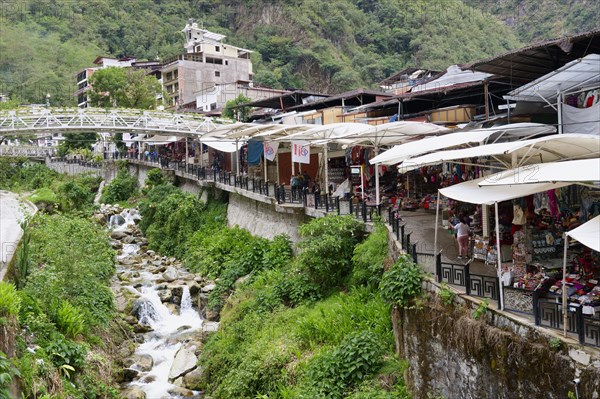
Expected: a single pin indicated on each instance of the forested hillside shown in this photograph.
(327, 46)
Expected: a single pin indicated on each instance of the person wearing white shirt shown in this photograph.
(462, 235)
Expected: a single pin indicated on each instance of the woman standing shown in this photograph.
(462, 235)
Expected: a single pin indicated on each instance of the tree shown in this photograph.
(232, 111)
(124, 87)
(74, 141)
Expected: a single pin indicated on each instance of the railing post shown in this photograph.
(414, 253)
(402, 233)
(267, 188)
(468, 278)
(407, 248)
(364, 211)
(327, 204)
(337, 205)
(536, 310)
(397, 224)
(438, 267)
(580, 323)
(390, 221)
(499, 287)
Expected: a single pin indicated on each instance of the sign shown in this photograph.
(271, 149)
(301, 152)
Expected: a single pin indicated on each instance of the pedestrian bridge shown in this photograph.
(64, 120)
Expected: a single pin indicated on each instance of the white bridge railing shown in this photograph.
(102, 120)
(26, 151)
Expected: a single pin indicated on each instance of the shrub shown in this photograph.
(64, 352)
(10, 301)
(369, 257)
(120, 188)
(43, 195)
(7, 371)
(326, 248)
(69, 320)
(446, 294)
(402, 282)
(74, 195)
(154, 178)
(357, 357)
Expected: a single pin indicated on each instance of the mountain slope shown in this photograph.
(325, 46)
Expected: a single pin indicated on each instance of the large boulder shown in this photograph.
(184, 362)
(133, 393)
(193, 379)
(208, 288)
(144, 362)
(128, 375)
(181, 392)
(119, 234)
(170, 274)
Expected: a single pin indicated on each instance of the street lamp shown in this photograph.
(48, 100)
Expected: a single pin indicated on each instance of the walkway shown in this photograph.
(12, 212)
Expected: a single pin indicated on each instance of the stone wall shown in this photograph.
(265, 220)
(451, 354)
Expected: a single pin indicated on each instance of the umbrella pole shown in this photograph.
(564, 284)
(326, 156)
(499, 256)
(435, 229)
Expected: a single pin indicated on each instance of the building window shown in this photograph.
(213, 106)
(217, 48)
(226, 62)
(217, 74)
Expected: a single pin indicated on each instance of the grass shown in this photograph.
(45, 195)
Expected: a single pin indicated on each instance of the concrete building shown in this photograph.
(214, 98)
(83, 76)
(206, 63)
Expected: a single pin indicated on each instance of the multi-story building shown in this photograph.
(83, 76)
(206, 62)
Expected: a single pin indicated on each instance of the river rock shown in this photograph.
(150, 252)
(116, 245)
(133, 393)
(180, 391)
(141, 328)
(144, 362)
(128, 374)
(211, 315)
(99, 218)
(177, 290)
(192, 379)
(139, 305)
(128, 239)
(165, 295)
(119, 234)
(184, 362)
(194, 289)
(170, 274)
(208, 288)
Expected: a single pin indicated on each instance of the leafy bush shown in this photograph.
(154, 178)
(357, 357)
(43, 195)
(64, 352)
(78, 263)
(74, 194)
(402, 282)
(10, 301)
(69, 320)
(446, 294)
(327, 247)
(120, 188)
(369, 257)
(7, 371)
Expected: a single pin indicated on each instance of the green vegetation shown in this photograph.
(10, 303)
(126, 88)
(65, 305)
(239, 114)
(402, 282)
(446, 294)
(306, 326)
(7, 371)
(481, 309)
(49, 188)
(121, 188)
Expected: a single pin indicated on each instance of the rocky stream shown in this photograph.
(166, 306)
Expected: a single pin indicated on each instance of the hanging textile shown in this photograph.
(255, 150)
(581, 120)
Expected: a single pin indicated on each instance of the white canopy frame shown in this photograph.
(587, 234)
(471, 192)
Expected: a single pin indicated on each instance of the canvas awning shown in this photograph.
(330, 132)
(402, 152)
(552, 148)
(224, 145)
(162, 140)
(391, 133)
(588, 234)
(471, 192)
(582, 170)
(574, 75)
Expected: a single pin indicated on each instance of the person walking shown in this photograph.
(462, 232)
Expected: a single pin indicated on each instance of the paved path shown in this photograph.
(12, 212)
(420, 223)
